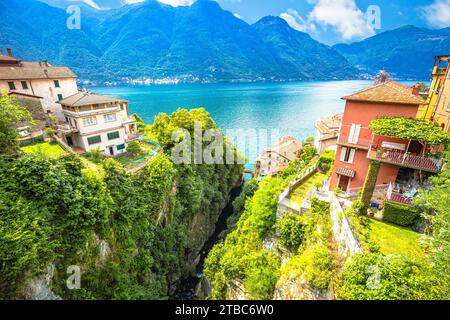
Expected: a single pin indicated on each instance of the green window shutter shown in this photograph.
(11, 85)
(94, 140)
(120, 147)
(56, 83)
(113, 135)
(60, 97)
(24, 85)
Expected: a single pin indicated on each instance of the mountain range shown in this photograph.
(203, 43)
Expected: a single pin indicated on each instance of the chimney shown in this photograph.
(416, 89)
(382, 77)
(9, 51)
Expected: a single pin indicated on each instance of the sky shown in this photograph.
(331, 21)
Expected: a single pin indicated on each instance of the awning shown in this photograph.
(346, 172)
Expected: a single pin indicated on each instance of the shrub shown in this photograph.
(326, 160)
(309, 139)
(400, 214)
(291, 231)
(314, 265)
(378, 277)
(50, 132)
(95, 156)
(135, 148)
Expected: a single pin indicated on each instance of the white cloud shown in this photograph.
(237, 15)
(294, 19)
(344, 16)
(177, 3)
(92, 4)
(437, 14)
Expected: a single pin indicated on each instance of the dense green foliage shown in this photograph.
(400, 214)
(372, 276)
(408, 128)
(436, 206)
(291, 231)
(11, 113)
(131, 235)
(370, 183)
(239, 203)
(243, 259)
(140, 123)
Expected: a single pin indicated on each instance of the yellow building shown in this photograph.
(438, 101)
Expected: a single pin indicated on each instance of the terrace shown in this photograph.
(406, 142)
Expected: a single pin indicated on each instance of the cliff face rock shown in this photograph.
(298, 289)
(39, 287)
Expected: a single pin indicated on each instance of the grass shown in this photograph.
(299, 194)
(52, 150)
(127, 159)
(396, 240)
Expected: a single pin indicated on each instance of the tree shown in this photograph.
(291, 231)
(370, 183)
(134, 147)
(11, 114)
(435, 204)
(370, 276)
(140, 123)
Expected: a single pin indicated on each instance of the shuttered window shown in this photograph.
(94, 140)
(347, 155)
(113, 135)
(11, 85)
(353, 137)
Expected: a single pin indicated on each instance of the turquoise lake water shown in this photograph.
(292, 108)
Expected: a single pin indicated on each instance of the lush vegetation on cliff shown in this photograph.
(248, 259)
(131, 235)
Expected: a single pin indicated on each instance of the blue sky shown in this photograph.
(333, 21)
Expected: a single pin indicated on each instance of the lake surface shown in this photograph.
(291, 108)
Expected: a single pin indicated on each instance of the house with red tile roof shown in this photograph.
(403, 162)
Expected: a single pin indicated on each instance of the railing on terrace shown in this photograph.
(407, 160)
(397, 197)
(363, 140)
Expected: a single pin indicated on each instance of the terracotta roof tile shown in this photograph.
(390, 91)
(34, 70)
(87, 98)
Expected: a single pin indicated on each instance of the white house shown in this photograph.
(95, 121)
(40, 79)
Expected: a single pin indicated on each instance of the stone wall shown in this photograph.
(348, 245)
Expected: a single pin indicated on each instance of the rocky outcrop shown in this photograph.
(39, 287)
(298, 289)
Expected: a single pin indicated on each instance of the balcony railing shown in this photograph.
(393, 194)
(407, 160)
(362, 143)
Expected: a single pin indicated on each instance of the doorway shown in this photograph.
(69, 141)
(111, 151)
(343, 183)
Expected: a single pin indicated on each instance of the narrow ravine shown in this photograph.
(186, 287)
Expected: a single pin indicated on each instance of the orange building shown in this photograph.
(357, 145)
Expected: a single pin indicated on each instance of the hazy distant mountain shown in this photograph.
(197, 43)
(406, 52)
(303, 54)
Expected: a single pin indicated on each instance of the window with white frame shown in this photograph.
(353, 137)
(89, 121)
(110, 117)
(347, 154)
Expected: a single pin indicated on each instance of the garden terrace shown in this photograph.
(407, 143)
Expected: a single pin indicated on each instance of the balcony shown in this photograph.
(360, 140)
(405, 159)
(400, 194)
